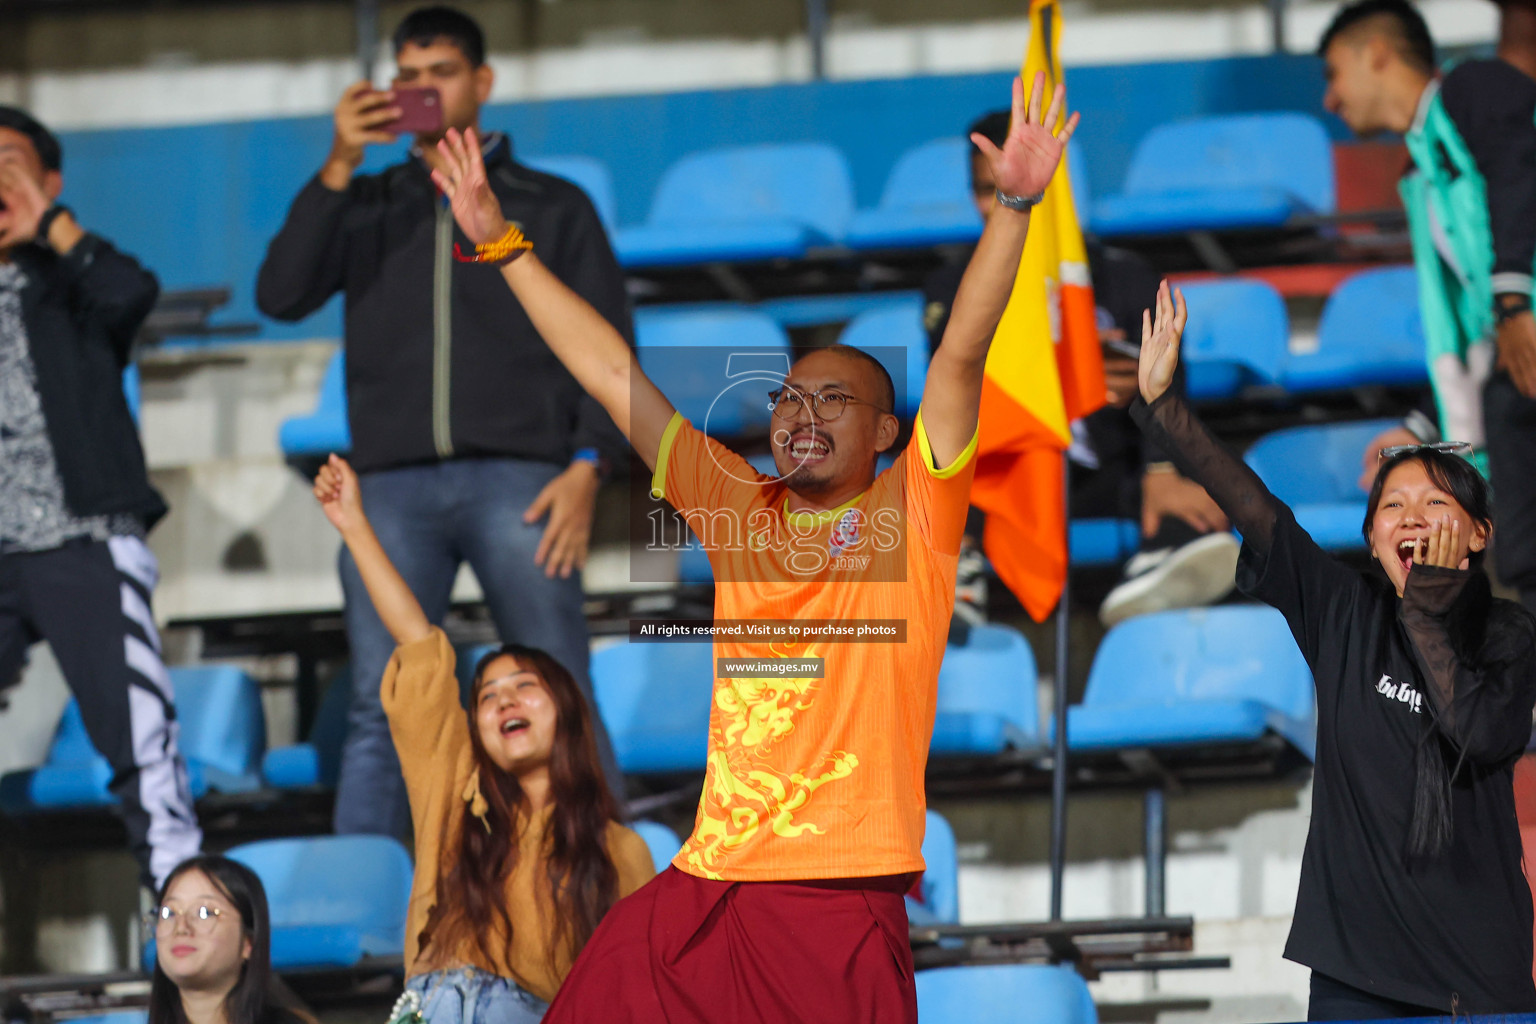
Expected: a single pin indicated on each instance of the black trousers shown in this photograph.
(1509, 421)
(1334, 1000)
(91, 601)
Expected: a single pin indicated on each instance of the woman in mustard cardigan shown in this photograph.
(519, 850)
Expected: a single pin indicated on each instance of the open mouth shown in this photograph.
(513, 726)
(1405, 550)
(808, 449)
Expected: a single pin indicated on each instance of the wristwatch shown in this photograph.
(45, 222)
(1020, 203)
(1509, 305)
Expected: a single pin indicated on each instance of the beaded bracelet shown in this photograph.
(500, 252)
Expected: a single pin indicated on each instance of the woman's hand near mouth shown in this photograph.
(1441, 547)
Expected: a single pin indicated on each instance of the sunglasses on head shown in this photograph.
(1446, 447)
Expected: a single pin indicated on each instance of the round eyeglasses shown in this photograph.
(787, 403)
(199, 918)
(1447, 447)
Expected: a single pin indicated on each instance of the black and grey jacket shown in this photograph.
(81, 313)
(442, 362)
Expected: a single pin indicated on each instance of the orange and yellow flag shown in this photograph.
(1045, 370)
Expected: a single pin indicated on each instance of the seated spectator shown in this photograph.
(1187, 557)
(519, 850)
(75, 497)
(213, 957)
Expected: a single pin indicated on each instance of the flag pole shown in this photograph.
(1059, 708)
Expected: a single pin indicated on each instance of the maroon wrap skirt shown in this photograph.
(687, 950)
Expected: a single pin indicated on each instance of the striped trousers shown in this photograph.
(91, 601)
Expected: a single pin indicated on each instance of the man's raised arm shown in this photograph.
(595, 354)
(1022, 168)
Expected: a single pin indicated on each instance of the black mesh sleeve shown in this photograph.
(1481, 701)
(1172, 428)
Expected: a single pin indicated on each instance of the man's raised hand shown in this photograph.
(462, 179)
(1160, 336)
(359, 117)
(1027, 162)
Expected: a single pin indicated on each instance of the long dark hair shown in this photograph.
(582, 881)
(1430, 826)
(255, 995)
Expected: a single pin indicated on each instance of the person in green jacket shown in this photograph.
(1470, 196)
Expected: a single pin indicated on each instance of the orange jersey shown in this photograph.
(819, 777)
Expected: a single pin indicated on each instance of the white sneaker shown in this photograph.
(1197, 574)
(971, 586)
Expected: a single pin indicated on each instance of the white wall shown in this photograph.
(179, 93)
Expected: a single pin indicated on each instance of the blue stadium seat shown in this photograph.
(927, 201)
(743, 203)
(317, 760)
(223, 729)
(335, 900)
(987, 699)
(73, 776)
(655, 699)
(1190, 678)
(591, 175)
(1237, 337)
(1370, 333)
(1227, 172)
(1316, 471)
(717, 364)
(222, 734)
(1004, 994)
(131, 390)
(137, 1015)
(941, 873)
(885, 334)
(115, 1017)
(1100, 543)
(325, 430)
(663, 842)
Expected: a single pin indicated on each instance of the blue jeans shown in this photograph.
(430, 519)
(468, 995)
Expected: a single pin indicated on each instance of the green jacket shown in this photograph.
(1457, 273)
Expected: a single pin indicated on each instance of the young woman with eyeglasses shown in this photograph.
(1412, 901)
(213, 959)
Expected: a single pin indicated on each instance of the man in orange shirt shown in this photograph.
(786, 901)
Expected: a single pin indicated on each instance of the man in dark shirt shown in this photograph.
(75, 499)
(466, 432)
(1470, 195)
(1186, 558)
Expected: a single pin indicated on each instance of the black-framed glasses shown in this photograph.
(827, 406)
(1445, 447)
(199, 918)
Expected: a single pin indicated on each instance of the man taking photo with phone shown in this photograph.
(472, 442)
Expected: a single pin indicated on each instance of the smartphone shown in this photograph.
(421, 112)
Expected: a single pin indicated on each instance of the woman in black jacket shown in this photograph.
(1412, 899)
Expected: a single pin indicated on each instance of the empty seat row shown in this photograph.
(717, 363)
(222, 735)
(1370, 334)
(1175, 679)
(339, 902)
(781, 201)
